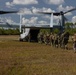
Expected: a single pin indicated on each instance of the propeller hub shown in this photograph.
(61, 13)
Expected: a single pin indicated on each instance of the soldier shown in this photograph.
(52, 39)
(74, 42)
(40, 37)
(56, 41)
(65, 39)
(44, 38)
(61, 40)
(47, 38)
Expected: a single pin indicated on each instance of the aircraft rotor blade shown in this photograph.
(44, 12)
(7, 12)
(49, 13)
(70, 10)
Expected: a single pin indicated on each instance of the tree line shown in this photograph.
(9, 31)
(68, 27)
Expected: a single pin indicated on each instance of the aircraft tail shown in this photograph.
(25, 33)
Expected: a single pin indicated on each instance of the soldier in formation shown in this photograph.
(54, 39)
(57, 40)
(74, 42)
(40, 37)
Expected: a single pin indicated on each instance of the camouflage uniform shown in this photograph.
(44, 38)
(56, 40)
(65, 40)
(74, 42)
(61, 40)
(47, 38)
(52, 39)
(40, 37)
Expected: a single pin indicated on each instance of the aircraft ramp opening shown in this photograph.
(29, 35)
(34, 35)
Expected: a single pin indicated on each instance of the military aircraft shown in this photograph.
(34, 29)
(51, 25)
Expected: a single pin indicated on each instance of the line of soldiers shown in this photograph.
(56, 40)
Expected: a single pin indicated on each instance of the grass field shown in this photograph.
(24, 58)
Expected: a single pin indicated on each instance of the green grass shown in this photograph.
(24, 58)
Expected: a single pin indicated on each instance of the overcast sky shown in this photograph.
(25, 7)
